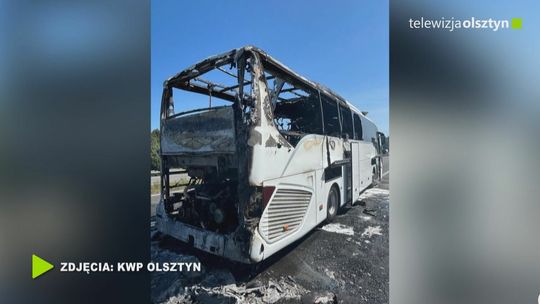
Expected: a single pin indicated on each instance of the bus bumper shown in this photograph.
(218, 244)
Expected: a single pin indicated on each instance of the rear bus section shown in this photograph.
(271, 157)
(203, 211)
(212, 205)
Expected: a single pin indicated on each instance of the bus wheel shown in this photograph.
(332, 205)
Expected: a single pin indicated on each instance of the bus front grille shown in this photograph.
(284, 213)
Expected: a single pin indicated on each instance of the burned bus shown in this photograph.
(280, 155)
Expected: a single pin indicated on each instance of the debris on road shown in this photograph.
(371, 231)
(365, 218)
(320, 298)
(330, 274)
(369, 212)
(274, 291)
(338, 228)
(373, 193)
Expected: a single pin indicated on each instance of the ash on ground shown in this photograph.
(342, 262)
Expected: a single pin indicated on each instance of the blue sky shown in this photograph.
(344, 47)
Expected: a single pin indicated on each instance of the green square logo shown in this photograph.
(517, 23)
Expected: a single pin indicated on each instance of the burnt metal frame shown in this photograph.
(271, 65)
(183, 81)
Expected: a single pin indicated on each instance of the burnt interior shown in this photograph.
(296, 111)
(208, 199)
(299, 110)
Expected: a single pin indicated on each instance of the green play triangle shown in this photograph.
(39, 266)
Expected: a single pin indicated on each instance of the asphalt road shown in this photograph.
(345, 261)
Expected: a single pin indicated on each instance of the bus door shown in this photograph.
(380, 143)
(380, 151)
(355, 168)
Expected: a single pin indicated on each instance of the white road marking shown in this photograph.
(386, 173)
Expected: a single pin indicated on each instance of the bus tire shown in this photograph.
(332, 203)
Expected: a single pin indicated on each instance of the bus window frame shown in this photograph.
(357, 136)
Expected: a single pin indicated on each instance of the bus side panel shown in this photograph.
(355, 155)
(322, 195)
(315, 213)
(367, 152)
(270, 162)
(362, 169)
(276, 233)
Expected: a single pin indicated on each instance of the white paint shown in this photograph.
(371, 231)
(338, 228)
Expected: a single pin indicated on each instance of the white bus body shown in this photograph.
(266, 170)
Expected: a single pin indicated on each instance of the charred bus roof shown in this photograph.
(183, 80)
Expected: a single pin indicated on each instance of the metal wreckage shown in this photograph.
(272, 130)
